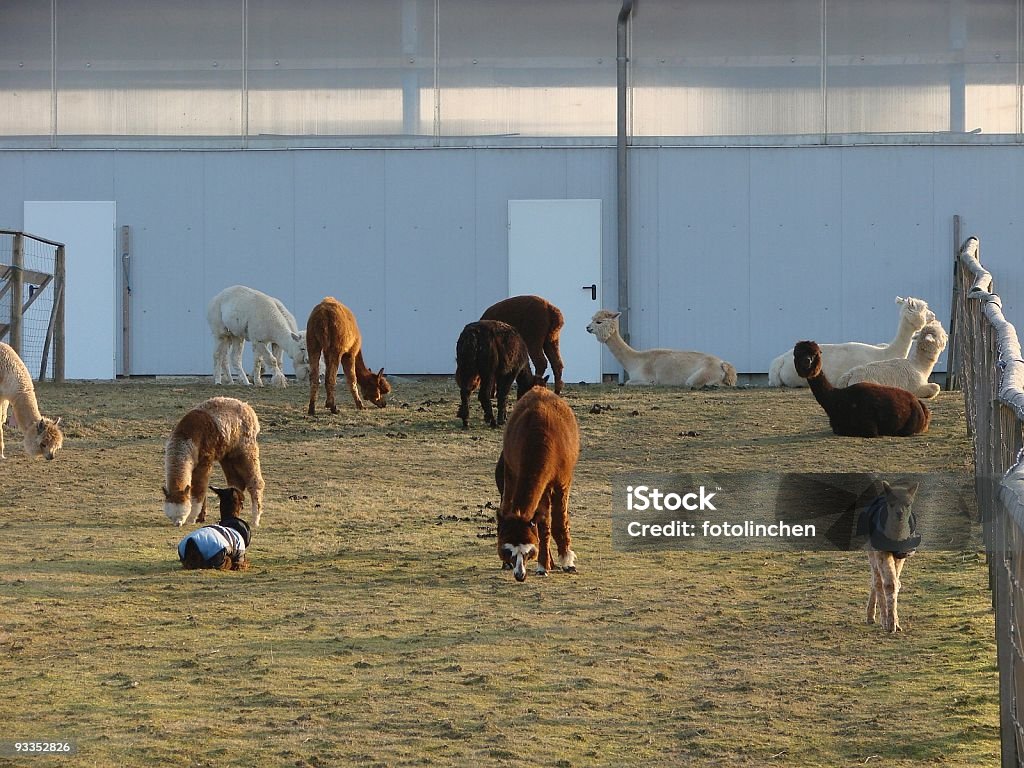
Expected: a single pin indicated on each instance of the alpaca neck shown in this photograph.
(900, 345)
(624, 353)
(26, 411)
(362, 372)
(822, 389)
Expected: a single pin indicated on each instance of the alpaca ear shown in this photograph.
(164, 489)
(58, 421)
(900, 300)
(40, 427)
(616, 314)
(912, 489)
(380, 373)
(886, 487)
(296, 337)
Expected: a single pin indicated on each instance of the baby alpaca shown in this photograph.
(661, 367)
(222, 546)
(861, 410)
(911, 373)
(891, 527)
(43, 436)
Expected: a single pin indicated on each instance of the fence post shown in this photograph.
(17, 279)
(952, 348)
(58, 329)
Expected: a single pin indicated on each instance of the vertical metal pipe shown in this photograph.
(245, 74)
(60, 274)
(53, 74)
(622, 167)
(17, 283)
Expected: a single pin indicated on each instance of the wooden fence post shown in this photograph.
(17, 281)
(58, 330)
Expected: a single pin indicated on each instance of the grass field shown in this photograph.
(375, 626)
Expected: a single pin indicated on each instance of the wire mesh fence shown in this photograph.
(991, 370)
(30, 290)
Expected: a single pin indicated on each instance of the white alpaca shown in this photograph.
(42, 435)
(239, 313)
(837, 359)
(660, 367)
(910, 374)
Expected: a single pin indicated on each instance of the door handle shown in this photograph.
(593, 291)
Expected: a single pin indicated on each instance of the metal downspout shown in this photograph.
(622, 169)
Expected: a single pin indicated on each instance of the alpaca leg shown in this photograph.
(875, 587)
(348, 364)
(543, 520)
(895, 596)
(200, 484)
(555, 358)
(314, 381)
(928, 391)
(504, 386)
(237, 347)
(540, 363)
(221, 367)
(267, 356)
(465, 390)
(566, 558)
(487, 386)
(259, 349)
(3, 420)
(242, 470)
(890, 588)
(278, 379)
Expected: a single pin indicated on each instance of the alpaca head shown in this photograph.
(899, 499)
(177, 504)
(231, 501)
(44, 438)
(604, 324)
(931, 341)
(374, 387)
(807, 359)
(915, 312)
(518, 543)
(301, 363)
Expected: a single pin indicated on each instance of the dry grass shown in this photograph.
(375, 627)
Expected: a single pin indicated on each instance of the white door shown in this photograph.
(554, 251)
(90, 304)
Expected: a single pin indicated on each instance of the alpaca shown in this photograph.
(224, 430)
(862, 410)
(220, 546)
(534, 475)
(891, 526)
(239, 313)
(837, 359)
(910, 374)
(540, 323)
(42, 436)
(490, 355)
(332, 330)
(661, 367)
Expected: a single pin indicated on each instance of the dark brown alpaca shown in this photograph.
(331, 329)
(534, 475)
(861, 410)
(539, 322)
(490, 355)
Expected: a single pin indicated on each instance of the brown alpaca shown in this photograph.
(861, 410)
(224, 430)
(331, 329)
(490, 355)
(539, 322)
(891, 526)
(534, 475)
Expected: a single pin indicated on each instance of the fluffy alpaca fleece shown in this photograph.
(886, 566)
(490, 355)
(238, 313)
(534, 476)
(862, 410)
(42, 436)
(540, 323)
(224, 430)
(661, 367)
(910, 374)
(837, 359)
(332, 330)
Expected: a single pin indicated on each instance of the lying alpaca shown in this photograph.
(223, 430)
(837, 359)
(534, 475)
(862, 410)
(910, 374)
(661, 367)
(891, 527)
(43, 436)
(221, 546)
(239, 313)
(540, 323)
(332, 330)
(490, 355)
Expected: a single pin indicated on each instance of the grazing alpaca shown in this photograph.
(490, 355)
(863, 410)
(332, 330)
(223, 430)
(661, 367)
(534, 475)
(239, 313)
(837, 359)
(540, 323)
(42, 435)
(891, 527)
(220, 546)
(910, 374)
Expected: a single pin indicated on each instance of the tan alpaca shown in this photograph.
(661, 367)
(42, 435)
(224, 430)
(911, 373)
(889, 546)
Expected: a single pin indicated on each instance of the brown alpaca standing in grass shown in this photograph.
(224, 430)
(891, 526)
(42, 436)
(490, 355)
(540, 323)
(861, 410)
(331, 329)
(534, 475)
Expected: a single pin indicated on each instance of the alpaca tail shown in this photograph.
(775, 371)
(728, 374)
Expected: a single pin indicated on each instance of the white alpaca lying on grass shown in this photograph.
(42, 435)
(837, 359)
(239, 313)
(910, 374)
(661, 367)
